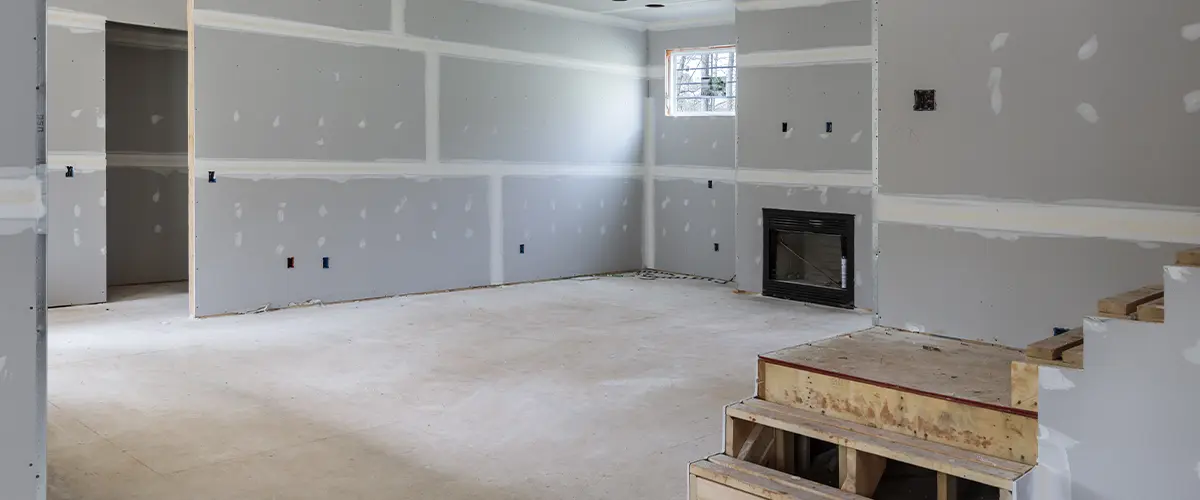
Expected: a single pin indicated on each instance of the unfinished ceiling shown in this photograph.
(671, 10)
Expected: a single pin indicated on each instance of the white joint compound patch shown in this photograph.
(433, 206)
(1179, 274)
(1052, 477)
(999, 41)
(337, 77)
(712, 233)
(788, 134)
(825, 135)
(320, 142)
(104, 250)
(362, 124)
(156, 196)
(397, 125)
(321, 121)
(1052, 379)
(686, 202)
(237, 239)
(275, 123)
(76, 113)
(994, 85)
(362, 214)
(1192, 354)
(1088, 112)
(470, 233)
(3, 361)
(1148, 245)
(856, 138)
(154, 119)
(322, 211)
(1191, 102)
(362, 243)
(1191, 32)
(279, 250)
(914, 327)
(321, 242)
(77, 239)
(666, 201)
(78, 210)
(603, 230)
(434, 234)
(687, 226)
(1089, 48)
(237, 210)
(470, 203)
(237, 116)
(158, 229)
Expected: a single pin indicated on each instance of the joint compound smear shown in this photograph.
(999, 40)
(1191, 32)
(1191, 102)
(994, 85)
(1089, 48)
(1088, 112)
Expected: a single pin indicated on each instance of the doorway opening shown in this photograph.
(146, 143)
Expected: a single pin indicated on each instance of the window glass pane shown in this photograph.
(703, 82)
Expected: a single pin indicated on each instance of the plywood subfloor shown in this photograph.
(910, 361)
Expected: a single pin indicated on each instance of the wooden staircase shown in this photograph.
(832, 420)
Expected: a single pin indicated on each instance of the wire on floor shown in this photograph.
(654, 274)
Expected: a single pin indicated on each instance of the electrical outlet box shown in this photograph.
(924, 100)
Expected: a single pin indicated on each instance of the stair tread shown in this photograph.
(763, 482)
(973, 466)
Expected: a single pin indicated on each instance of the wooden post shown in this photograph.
(859, 472)
(803, 454)
(1006, 495)
(757, 447)
(947, 487)
(785, 453)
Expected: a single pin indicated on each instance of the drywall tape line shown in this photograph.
(834, 178)
(809, 57)
(753, 5)
(1017, 218)
(342, 170)
(279, 27)
(21, 199)
(80, 161)
(78, 22)
(693, 172)
(147, 160)
(535, 7)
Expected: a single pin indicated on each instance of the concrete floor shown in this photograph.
(604, 388)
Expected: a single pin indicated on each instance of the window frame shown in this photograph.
(671, 90)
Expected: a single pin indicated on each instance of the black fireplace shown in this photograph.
(809, 257)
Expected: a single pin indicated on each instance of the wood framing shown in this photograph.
(1074, 356)
(1154, 312)
(1024, 379)
(858, 471)
(1053, 347)
(1125, 304)
(720, 477)
(947, 487)
(1190, 257)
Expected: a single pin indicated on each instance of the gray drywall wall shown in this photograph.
(147, 174)
(694, 227)
(1011, 78)
(76, 125)
(389, 234)
(806, 98)
(1013, 292)
(170, 14)
(571, 226)
(366, 15)
(526, 113)
(752, 198)
(22, 301)
(831, 25)
(707, 141)
(1134, 398)
(384, 236)
(480, 23)
(1143, 147)
(332, 101)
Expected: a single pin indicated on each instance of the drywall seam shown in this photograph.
(694, 172)
(683, 24)
(656, 72)
(398, 25)
(752, 5)
(82, 161)
(147, 160)
(143, 39)
(649, 152)
(79, 22)
(401, 168)
(433, 117)
(567, 13)
(496, 224)
(279, 27)
(807, 57)
(831, 178)
(876, 317)
(1016, 217)
(21, 199)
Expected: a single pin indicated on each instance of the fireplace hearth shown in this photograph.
(809, 257)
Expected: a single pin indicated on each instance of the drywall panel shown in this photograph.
(268, 97)
(147, 100)
(481, 23)
(806, 99)
(77, 235)
(23, 337)
(752, 198)
(383, 237)
(1004, 288)
(148, 229)
(1135, 372)
(372, 15)
(695, 227)
(498, 111)
(158, 13)
(1030, 108)
(570, 226)
(690, 140)
(834, 24)
(75, 103)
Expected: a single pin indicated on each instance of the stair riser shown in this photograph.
(970, 427)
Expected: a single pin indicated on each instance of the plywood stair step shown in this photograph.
(951, 461)
(1189, 257)
(721, 477)
(1050, 351)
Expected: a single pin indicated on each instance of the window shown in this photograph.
(702, 82)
